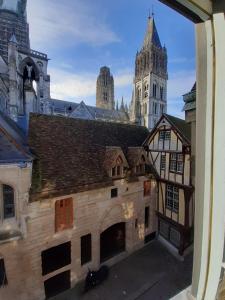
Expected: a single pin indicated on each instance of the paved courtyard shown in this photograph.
(151, 273)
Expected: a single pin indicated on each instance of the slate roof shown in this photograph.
(152, 35)
(13, 146)
(83, 111)
(182, 126)
(190, 99)
(71, 152)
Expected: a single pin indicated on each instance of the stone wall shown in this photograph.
(94, 211)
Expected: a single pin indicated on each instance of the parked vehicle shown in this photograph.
(95, 278)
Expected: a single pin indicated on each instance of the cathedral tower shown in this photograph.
(149, 100)
(105, 89)
(13, 20)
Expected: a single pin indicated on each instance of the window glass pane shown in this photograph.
(172, 198)
(8, 202)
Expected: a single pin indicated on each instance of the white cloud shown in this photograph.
(180, 83)
(67, 85)
(70, 22)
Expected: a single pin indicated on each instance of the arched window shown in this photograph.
(8, 202)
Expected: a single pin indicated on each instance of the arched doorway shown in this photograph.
(112, 241)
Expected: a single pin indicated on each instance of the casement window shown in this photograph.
(85, 245)
(147, 217)
(172, 197)
(176, 163)
(147, 188)
(8, 202)
(164, 135)
(114, 193)
(3, 278)
(163, 162)
(63, 214)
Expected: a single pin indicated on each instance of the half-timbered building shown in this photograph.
(169, 150)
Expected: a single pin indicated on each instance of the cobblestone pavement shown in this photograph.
(152, 273)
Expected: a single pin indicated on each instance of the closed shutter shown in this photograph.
(164, 229)
(147, 188)
(175, 237)
(63, 214)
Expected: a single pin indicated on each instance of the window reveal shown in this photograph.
(86, 255)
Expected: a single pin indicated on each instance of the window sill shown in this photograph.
(7, 236)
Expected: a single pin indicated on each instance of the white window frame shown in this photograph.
(172, 198)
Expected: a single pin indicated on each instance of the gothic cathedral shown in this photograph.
(24, 82)
(149, 100)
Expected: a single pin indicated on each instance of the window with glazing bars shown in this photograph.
(172, 197)
(176, 163)
(164, 135)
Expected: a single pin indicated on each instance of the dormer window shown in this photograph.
(140, 169)
(117, 170)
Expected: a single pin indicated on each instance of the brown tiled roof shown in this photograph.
(70, 152)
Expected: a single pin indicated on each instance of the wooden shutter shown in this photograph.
(147, 188)
(63, 214)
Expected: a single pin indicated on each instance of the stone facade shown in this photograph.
(94, 212)
(149, 100)
(105, 90)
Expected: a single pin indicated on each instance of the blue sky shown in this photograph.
(80, 36)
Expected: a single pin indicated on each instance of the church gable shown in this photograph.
(82, 112)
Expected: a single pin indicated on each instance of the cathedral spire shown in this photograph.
(152, 36)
